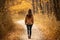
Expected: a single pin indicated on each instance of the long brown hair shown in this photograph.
(29, 15)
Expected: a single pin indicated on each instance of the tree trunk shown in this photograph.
(33, 6)
(36, 6)
(57, 8)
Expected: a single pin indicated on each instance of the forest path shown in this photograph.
(36, 33)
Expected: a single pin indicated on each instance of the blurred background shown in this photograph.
(46, 17)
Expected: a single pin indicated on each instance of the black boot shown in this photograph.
(29, 37)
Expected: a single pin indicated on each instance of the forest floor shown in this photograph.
(36, 33)
(38, 29)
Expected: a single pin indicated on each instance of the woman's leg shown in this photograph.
(30, 30)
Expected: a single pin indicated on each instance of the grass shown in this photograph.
(15, 34)
(47, 23)
(17, 17)
(8, 29)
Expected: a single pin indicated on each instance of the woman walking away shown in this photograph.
(29, 22)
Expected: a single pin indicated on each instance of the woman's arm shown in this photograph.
(32, 19)
(25, 19)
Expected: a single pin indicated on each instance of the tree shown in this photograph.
(57, 8)
(36, 6)
(33, 6)
(6, 23)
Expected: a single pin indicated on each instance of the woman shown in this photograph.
(29, 22)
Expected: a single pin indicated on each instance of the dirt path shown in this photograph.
(36, 34)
